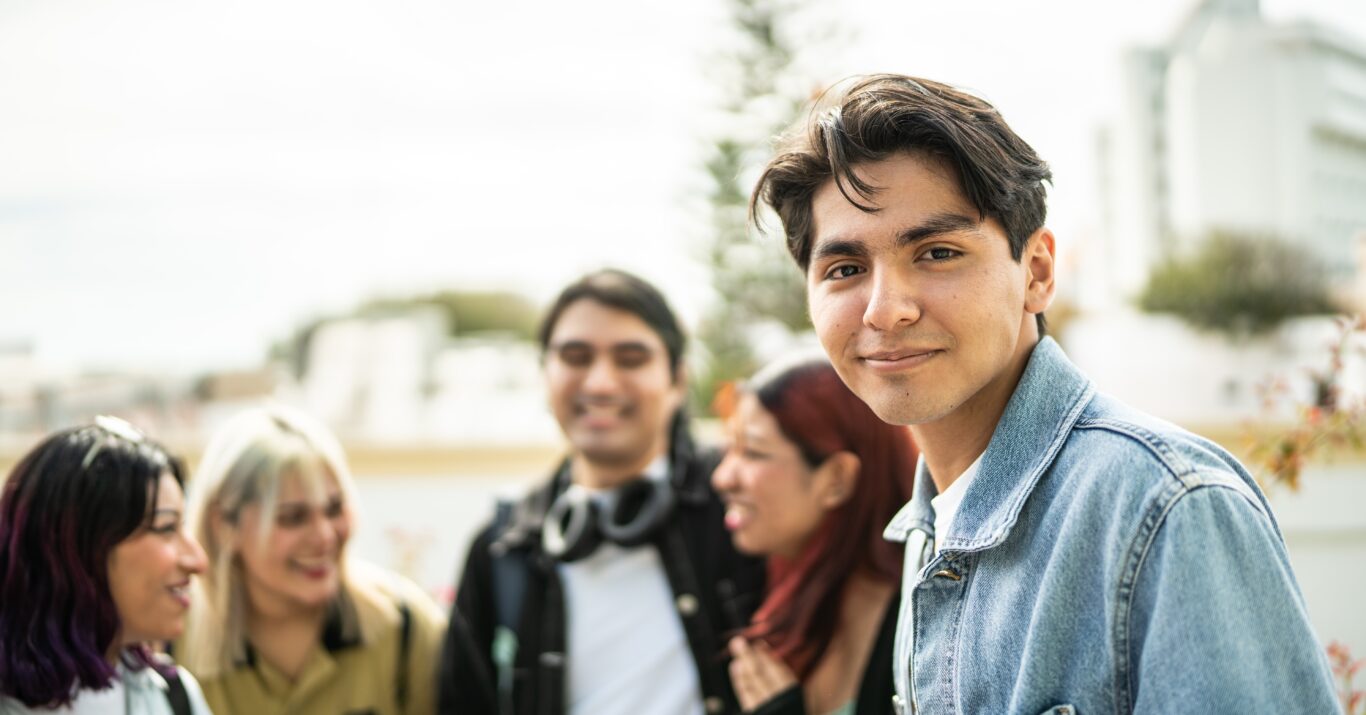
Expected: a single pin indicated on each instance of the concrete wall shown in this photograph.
(1325, 530)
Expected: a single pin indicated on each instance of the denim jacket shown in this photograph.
(1102, 561)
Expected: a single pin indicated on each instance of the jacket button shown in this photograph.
(714, 705)
(552, 659)
(687, 604)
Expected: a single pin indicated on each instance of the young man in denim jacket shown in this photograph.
(1065, 553)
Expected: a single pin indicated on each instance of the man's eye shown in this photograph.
(576, 355)
(630, 357)
(842, 271)
(941, 254)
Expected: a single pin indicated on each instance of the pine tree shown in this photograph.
(755, 281)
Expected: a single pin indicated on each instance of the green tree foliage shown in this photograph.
(1238, 285)
(754, 279)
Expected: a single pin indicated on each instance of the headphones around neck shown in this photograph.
(579, 519)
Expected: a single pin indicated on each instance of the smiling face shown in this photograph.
(920, 305)
(298, 563)
(150, 571)
(775, 501)
(610, 386)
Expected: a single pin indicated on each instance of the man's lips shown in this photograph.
(601, 415)
(893, 360)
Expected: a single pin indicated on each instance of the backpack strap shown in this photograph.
(509, 592)
(177, 696)
(405, 637)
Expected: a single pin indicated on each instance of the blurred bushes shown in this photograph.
(1239, 285)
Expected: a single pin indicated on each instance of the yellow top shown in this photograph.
(345, 674)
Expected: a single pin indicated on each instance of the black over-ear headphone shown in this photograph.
(579, 519)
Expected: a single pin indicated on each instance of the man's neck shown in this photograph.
(952, 443)
(608, 475)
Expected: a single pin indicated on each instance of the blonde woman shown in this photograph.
(286, 623)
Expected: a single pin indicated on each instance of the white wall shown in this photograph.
(1324, 525)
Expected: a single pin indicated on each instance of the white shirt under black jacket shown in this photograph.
(627, 651)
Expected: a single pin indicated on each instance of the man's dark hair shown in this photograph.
(886, 114)
(627, 292)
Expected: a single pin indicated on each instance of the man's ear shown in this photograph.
(680, 385)
(837, 477)
(1040, 263)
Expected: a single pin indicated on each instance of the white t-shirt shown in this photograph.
(946, 505)
(627, 651)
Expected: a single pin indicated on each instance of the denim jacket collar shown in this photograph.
(1047, 402)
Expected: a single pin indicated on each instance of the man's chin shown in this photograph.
(904, 411)
(609, 455)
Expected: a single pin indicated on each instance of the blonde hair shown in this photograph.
(245, 463)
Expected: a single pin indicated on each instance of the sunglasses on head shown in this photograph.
(114, 429)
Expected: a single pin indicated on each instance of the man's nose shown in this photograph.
(602, 375)
(892, 302)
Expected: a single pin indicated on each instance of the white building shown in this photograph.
(1235, 124)
(400, 379)
(489, 390)
(367, 377)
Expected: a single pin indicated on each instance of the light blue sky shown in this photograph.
(183, 182)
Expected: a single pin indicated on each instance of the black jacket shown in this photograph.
(716, 590)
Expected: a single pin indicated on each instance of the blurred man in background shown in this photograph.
(609, 589)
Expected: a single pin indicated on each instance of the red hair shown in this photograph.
(818, 413)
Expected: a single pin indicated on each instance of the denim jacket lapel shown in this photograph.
(1049, 399)
(917, 513)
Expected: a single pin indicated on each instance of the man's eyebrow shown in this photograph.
(576, 344)
(838, 247)
(936, 225)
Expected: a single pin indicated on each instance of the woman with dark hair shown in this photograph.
(810, 479)
(95, 570)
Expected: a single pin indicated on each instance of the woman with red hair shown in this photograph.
(810, 479)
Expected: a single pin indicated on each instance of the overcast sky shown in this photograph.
(183, 182)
